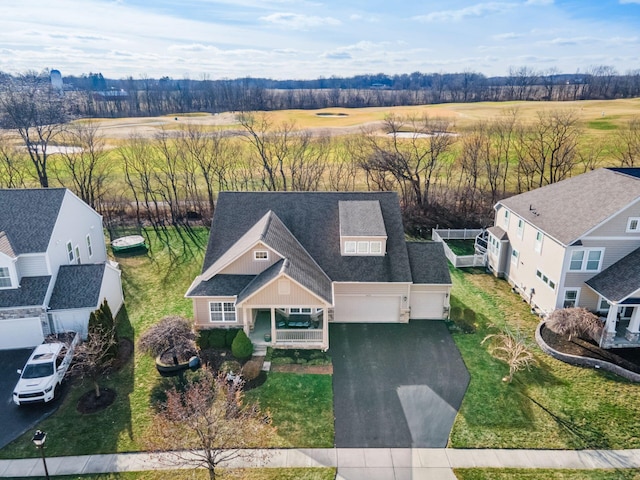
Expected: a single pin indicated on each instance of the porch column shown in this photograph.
(325, 327)
(273, 326)
(610, 325)
(245, 325)
(633, 330)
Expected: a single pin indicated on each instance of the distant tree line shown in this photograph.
(93, 95)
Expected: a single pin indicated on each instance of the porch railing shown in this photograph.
(298, 335)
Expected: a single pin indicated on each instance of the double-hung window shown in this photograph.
(586, 260)
(520, 231)
(570, 298)
(5, 277)
(539, 238)
(70, 252)
(222, 311)
(505, 219)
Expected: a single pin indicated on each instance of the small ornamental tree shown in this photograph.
(211, 423)
(170, 332)
(575, 322)
(511, 348)
(242, 348)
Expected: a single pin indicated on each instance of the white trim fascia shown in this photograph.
(606, 239)
(60, 310)
(280, 276)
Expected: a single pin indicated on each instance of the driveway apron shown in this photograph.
(13, 419)
(395, 385)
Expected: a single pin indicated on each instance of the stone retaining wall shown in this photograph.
(584, 361)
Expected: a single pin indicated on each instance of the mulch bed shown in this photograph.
(627, 358)
(293, 368)
(89, 403)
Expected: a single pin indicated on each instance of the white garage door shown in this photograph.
(427, 305)
(367, 309)
(20, 333)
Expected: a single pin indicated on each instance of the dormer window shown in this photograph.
(261, 255)
(5, 278)
(362, 229)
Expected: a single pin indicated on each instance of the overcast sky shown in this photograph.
(312, 38)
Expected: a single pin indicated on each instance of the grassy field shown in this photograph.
(554, 405)
(542, 474)
(154, 286)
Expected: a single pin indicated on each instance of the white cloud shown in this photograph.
(473, 11)
(539, 2)
(629, 1)
(507, 36)
(297, 21)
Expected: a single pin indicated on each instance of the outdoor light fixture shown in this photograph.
(38, 440)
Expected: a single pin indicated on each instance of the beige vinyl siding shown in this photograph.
(32, 266)
(246, 265)
(201, 312)
(359, 288)
(588, 299)
(269, 295)
(549, 261)
(617, 225)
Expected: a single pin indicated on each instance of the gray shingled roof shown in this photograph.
(497, 232)
(31, 293)
(77, 286)
(428, 263)
(568, 209)
(313, 219)
(261, 280)
(619, 280)
(221, 286)
(360, 218)
(28, 216)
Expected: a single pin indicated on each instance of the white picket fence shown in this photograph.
(459, 261)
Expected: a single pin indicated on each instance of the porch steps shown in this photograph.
(259, 350)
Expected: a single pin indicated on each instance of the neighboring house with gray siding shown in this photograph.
(282, 265)
(54, 269)
(575, 243)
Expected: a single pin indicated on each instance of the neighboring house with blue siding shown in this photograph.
(576, 243)
(54, 269)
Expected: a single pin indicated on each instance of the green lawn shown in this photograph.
(544, 474)
(554, 405)
(201, 474)
(462, 247)
(154, 286)
(301, 406)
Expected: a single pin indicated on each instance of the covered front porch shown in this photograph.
(301, 328)
(622, 326)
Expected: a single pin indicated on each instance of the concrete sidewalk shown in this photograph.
(352, 463)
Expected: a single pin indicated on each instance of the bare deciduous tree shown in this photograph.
(37, 112)
(84, 158)
(575, 322)
(211, 422)
(627, 143)
(13, 165)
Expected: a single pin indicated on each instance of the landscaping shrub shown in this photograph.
(230, 366)
(170, 331)
(251, 370)
(455, 313)
(158, 394)
(242, 347)
(202, 341)
(230, 336)
(217, 338)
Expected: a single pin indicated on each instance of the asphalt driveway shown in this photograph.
(13, 419)
(395, 385)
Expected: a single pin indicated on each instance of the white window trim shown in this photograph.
(224, 312)
(520, 228)
(350, 247)
(564, 296)
(9, 277)
(600, 300)
(71, 254)
(77, 255)
(505, 218)
(585, 259)
(89, 246)
(363, 248)
(540, 275)
(378, 245)
(515, 256)
(538, 247)
(629, 229)
(259, 259)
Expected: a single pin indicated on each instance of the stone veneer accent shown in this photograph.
(22, 313)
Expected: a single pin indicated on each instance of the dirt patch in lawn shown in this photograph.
(627, 358)
(293, 368)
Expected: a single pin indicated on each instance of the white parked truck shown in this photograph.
(44, 371)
